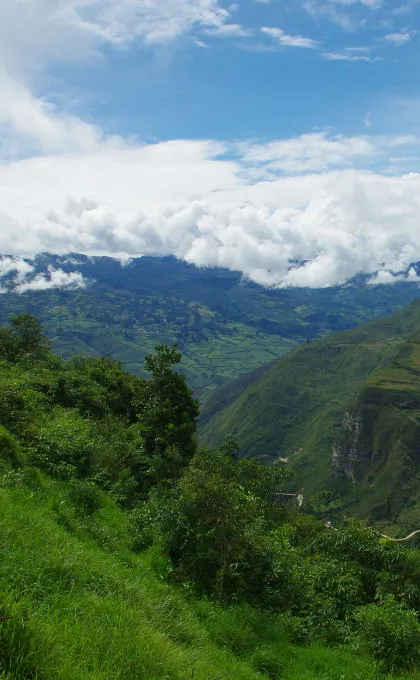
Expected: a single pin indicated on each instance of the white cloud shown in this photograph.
(29, 125)
(398, 39)
(188, 199)
(286, 40)
(254, 207)
(229, 31)
(74, 29)
(389, 277)
(15, 268)
(350, 15)
(38, 32)
(348, 56)
(18, 276)
(318, 151)
(54, 278)
(34, 33)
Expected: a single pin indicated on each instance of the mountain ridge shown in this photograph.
(223, 324)
(345, 411)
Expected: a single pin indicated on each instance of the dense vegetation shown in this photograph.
(223, 324)
(128, 552)
(345, 412)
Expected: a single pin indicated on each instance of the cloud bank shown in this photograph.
(286, 213)
(311, 211)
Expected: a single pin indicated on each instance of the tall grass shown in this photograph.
(77, 603)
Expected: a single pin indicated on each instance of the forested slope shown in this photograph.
(128, 552)
(344, 411)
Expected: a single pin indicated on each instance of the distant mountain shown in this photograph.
(344, 411)
(223, 324)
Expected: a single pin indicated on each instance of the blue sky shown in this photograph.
(353, 73)
(252, 136)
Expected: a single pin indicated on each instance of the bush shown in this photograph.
(64, 445)
(390, 632)
(9, 448)
(85, 496)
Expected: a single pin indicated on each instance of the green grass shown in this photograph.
(83, 605)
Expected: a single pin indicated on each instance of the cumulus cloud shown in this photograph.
(311, 211)
(17, 275)
(187, 199)
(54, 278)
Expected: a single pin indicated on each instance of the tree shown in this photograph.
(168, 416)
(26, 337)
(217, 526)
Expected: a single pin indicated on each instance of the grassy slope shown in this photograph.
(296, 410)
(82, 605)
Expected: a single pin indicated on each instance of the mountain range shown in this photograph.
(223, 324)
(343, 413)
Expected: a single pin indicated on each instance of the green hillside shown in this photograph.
(77, 602)
(223, 324)
(127, 552)
(345, 411)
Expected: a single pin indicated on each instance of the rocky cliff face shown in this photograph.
(348, 457)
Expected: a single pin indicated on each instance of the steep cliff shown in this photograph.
(349, 457)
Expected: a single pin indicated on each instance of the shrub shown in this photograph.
(390, 632)
(85, 496)
(64, 445)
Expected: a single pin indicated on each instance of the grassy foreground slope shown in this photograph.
(83, 605)
(345, 412)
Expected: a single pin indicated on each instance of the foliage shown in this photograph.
(216, 524)
(82, 605)
(88, 418)
(25, 337)
(168, 416)
(110, 513)
(9, 448)
(391, 633)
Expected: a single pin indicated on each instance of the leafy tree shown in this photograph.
(28, 336)
(217, 530)
(98, 387)
(64, 444)
(167, 414)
